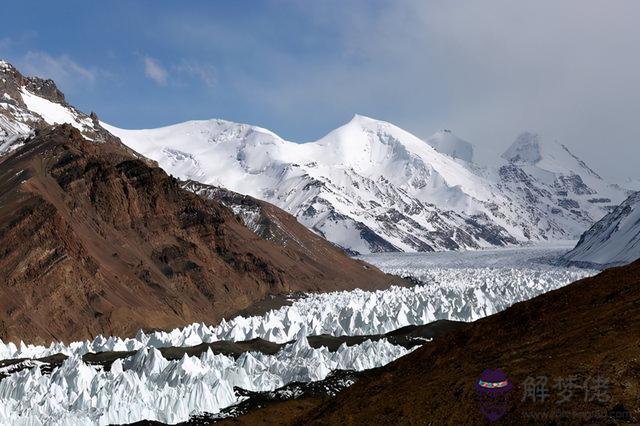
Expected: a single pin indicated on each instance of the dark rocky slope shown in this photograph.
(589, 330)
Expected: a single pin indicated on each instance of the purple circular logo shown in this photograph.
(493, 389)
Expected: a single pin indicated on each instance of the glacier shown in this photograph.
(455, 285)
(146, 386)
(461, 286)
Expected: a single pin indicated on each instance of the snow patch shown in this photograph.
(54, 113)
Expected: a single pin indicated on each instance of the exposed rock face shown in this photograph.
(95, 240)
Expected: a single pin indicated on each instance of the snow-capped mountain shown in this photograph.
(28, 103)
(367, 186)
(445, 142)
(613, 240)
(370, 186)
(545, 174)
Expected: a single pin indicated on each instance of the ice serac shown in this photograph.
(445, 142)
(452, 289)
(146, 386)
(612, 241)
(585, 330)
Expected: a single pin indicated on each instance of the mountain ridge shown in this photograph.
(612, 241)
(370, 186)
(367, 186)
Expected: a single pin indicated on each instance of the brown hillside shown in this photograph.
(94, 240)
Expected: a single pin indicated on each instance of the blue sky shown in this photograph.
(486, 69)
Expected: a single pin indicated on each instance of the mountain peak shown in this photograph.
(445, 142)
(12, 80)
(530, 149)
(364, 121)
(4, 65)
(30, 103)
(525, 149)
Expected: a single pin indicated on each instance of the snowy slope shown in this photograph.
(370, 186)
(447, 143)
(614, 240)
(546, 174)
(28, 103)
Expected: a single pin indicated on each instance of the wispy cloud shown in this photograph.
(155, 71)
(61, 68)
(203, 72)
(179, 73)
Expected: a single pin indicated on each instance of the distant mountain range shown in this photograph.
(367, 186)
(370, 186)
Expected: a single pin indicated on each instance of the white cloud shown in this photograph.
(181, 72)
(205, 73)
(62, 69)
(155, 71)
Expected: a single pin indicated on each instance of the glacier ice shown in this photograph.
(147, 386)
(465, 290)
(456, 286)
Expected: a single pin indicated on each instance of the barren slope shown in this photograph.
(95, 240)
